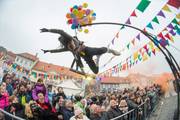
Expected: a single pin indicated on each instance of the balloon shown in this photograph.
(71, 9)
(93, 18)
(75, 7)
(75, 11)
(94, 14)
(68, 15)
(85, 5)
(70, 21)
(72, 15)
(88, 11)
(79, 29)
(86, 31)
(73, 26)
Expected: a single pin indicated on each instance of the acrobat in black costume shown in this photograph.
(77, 47)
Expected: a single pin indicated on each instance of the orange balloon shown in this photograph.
(68, 15)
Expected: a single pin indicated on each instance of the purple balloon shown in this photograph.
(88, 11)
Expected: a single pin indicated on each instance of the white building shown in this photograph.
(114, 83)
(26, 60)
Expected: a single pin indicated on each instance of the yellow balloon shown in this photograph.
(86, 31)
(85, 5)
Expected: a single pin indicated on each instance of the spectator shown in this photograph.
(68, 111)
(14, 108)
(97, 113)
(4, 97)
(45, 110)
(23, 96)
(79, 115)
(40, 87)
(9, 87)
(123, 109)
(113, 110)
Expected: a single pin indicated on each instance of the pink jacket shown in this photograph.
(4, 100)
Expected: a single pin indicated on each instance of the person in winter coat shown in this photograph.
(78, 115)
(23, 96)
(114, 110)
(68, 111)
(4, 98)
(40, 87)
(14, 108)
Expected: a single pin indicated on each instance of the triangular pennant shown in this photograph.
(145, 47)
(154, 51)
(145, 57)
(144, 30)
(171, 38)
(161, 14)
(117, 35)
(175, 21)
(143, 5)
(135, 55)
(174, 3)
(161, 35)
(134, 14)
(113, 41)
(170, 26)
(149, 53)
(128, 21)
(133, 41)
(176, 27)
(172, 32)
(138, 36)
(166, 8)
(128, 45)
(139, 57)
(167, 36)
(178, 16)
(164, 42)
(150, 26)
(151, 44)
(155, 20)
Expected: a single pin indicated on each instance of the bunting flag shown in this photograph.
(163, 42)
(150, 26)
(145, 57)
(143, 5)
(133, 41)
(128, 21)
(174, 3)
(134, 14)
(161, 36)
(128, 45)
(113, 41)
(154, 51)
(135, 55)
(155, 19)
(117, 34)
(175, 21)
(172, 32)
(161, 14)
(178, 16)
(166, 8)
(170, 26)
(138, 36)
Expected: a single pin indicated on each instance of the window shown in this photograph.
(21, 61)
(17, 59)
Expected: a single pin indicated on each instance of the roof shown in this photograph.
(28, 56)
(114, 80)
(10, 53)
(48, 67)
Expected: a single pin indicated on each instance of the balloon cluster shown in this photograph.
(80, 15)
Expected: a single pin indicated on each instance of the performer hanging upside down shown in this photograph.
(77, 47)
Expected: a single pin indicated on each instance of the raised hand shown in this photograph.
(44, 30)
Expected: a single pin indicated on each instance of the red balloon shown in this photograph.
(70, 21)
(71, 9)
(79, 8)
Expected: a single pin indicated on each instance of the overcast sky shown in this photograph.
(20, 21)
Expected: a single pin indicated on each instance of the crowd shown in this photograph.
(32, 101)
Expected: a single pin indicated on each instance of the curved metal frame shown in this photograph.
(168, 56)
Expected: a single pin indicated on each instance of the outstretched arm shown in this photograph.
(55, 50)
(58, 31)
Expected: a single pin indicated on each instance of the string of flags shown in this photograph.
(149, 49)
(140, 7)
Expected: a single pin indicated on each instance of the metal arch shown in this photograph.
(168, 56)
